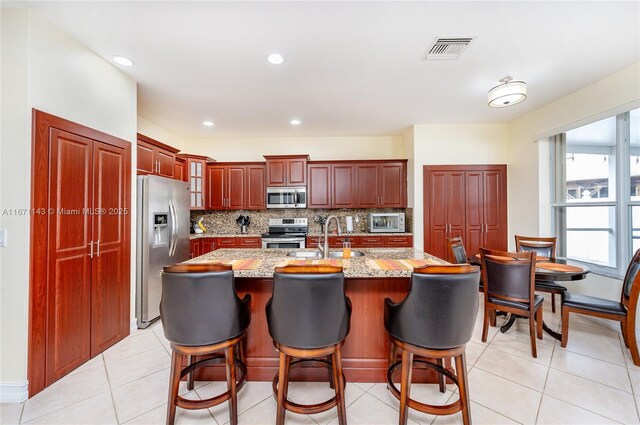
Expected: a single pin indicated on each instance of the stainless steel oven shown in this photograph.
(287, 197)
(286, 233)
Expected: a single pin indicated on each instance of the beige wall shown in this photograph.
(319, 148)
(43, 68)
(439, 144)
(160, 133)
(529, 211)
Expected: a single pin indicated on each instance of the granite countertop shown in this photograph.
(224, 235)
(355, 267)
(315, 235)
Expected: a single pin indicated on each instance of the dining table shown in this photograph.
(547, 270)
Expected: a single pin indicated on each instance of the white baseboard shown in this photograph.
(133, 325)
(14, 392)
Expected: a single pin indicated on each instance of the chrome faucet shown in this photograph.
(324, 249)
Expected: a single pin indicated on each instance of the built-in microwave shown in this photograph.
(386, 222)
(287, 197)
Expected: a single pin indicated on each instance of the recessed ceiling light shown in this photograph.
(295, 122)
(121, 60)
(207, 123)
(275, 59)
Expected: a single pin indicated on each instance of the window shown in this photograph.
(596, 196)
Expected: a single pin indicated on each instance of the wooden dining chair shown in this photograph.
(509, 286)
(623, 311)
(459, 254)
(543, 247)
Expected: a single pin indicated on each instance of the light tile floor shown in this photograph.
(593, 381)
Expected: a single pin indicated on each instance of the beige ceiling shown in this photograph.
(351, 68)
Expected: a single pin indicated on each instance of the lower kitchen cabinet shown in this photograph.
(365, 241)
(203, 246)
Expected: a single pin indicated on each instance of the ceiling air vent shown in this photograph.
(447, 48)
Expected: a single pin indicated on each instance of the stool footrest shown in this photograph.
(307, 409)
(447, 409)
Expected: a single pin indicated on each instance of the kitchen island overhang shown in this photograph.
(365, 353)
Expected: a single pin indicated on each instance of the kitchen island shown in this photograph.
(365, 352)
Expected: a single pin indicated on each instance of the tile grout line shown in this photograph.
(633, 393)
(113, 402)
(544, 385)
(583, 408)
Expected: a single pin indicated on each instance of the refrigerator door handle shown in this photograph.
(174, 231)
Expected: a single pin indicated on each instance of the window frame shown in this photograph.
(622, 204)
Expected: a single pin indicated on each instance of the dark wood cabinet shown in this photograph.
(80, 249)
(179, 169)
(319, 188)
(360, 241)
(467, 201)
(155, 157)
(201, 246)
(357, 184)
(237, 186)
(195, 175)
(255, 190)
(331, 185)
(381, 184)
(286, 170)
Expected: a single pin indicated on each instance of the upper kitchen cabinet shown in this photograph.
(195, 168)
(235, 186)
(357, 184)
(286, 170)
(179, 169)
(155, 157)
(381, 184)
(331, 185)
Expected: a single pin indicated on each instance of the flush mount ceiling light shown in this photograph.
(207, 123)
(121, 60)
(508, 93)
(295, 122)
(275, 59)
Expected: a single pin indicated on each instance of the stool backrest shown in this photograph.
(199, 304)
(440, 310)
(308, 308)
(508, 276)
(456, 249)
(544, 247)
(631, 283)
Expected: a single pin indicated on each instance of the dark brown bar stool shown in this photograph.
(543, 247)
(201, 315)
(309, 318)
(434, 321)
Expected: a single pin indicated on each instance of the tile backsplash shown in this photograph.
(221, 222)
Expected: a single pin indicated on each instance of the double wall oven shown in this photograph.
(286, 233)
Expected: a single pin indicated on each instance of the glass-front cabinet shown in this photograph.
(196, 166)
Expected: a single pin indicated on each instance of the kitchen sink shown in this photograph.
(307, 255)
(315, 255)
(338, 254)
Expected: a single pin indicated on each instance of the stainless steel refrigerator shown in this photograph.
(162, 239)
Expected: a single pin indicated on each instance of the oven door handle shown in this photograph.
(282, 240)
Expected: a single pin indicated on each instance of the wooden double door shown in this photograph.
(80, 248)
(468, 201)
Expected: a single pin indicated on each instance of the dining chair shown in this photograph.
(459, 254)
(543, 247)
(509, 286)
(623, 311)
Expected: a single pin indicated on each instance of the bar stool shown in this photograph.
(201, 315)
(434, 321)
(309, 317)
